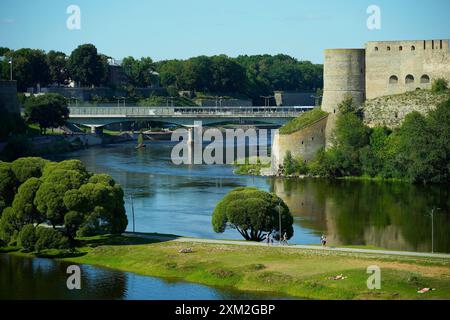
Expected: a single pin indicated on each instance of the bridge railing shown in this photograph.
(185, 111)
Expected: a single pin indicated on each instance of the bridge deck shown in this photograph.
(114, 112)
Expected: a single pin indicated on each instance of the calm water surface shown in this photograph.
(26, 278)
(180, 200)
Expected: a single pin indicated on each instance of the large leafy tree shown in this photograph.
(253, 213)
(227, 75)
(86, 66)
(139, 72)
(30, 68)
(59, 194)
(8, 185)
(23, 204)
(57, 62)
(48, 111)
(26, 168)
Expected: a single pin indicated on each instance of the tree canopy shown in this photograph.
(57, 64)
(253, 213)
(140, 73)
(48, 111)
(86, 66)
(62, 195)
(29, 68)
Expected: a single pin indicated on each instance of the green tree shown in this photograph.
(9, 226)
(57, 63)
(3, 51)
(372, 156)
(48, 111)
(439, 85)
(58, 178)
(26, 168)
(288, 164)
(30, 68)
(86, 66)
(23, 204)
(105, 207)
(139, 72)
(252, 213)
(226, 75)
(8, 185)
(27, 237)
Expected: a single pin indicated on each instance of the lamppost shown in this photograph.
(132, 211)
(432, 227)
(10, 68)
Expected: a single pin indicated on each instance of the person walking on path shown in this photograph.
(267, 239)
(323, 239)
(285, 239)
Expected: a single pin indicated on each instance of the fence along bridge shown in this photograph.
(98, 116)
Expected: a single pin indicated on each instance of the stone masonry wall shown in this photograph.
(304, 143)
(8, 95)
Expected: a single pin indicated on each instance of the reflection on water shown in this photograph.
(25, 278)
(180, 200)
(388, 215)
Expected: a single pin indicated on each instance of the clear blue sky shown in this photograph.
(168, 29)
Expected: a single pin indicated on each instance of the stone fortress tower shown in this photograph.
(381, 69)
(344, 74)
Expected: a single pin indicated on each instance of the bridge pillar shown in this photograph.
(96, 130)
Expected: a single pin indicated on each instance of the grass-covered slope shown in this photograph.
(283, 271)
(303, 121)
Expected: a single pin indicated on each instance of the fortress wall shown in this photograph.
(388, 63)
(304, 143)
(8, 95)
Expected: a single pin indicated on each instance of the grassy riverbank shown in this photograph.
(284, 271)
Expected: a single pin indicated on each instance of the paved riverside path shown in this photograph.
(163, 238)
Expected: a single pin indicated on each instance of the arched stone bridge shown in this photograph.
(97, 117)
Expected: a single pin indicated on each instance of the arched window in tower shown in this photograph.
(393, 80)
(413, 48)
(409, 79)
(425, 79)
(400, 48)
(388, 48)
(376, 48)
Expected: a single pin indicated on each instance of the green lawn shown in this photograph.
(284, 271)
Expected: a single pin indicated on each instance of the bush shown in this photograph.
(439, 85)
(293, 165)
(48, 238)
(27, 237)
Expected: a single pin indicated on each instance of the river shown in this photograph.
(180, 200)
